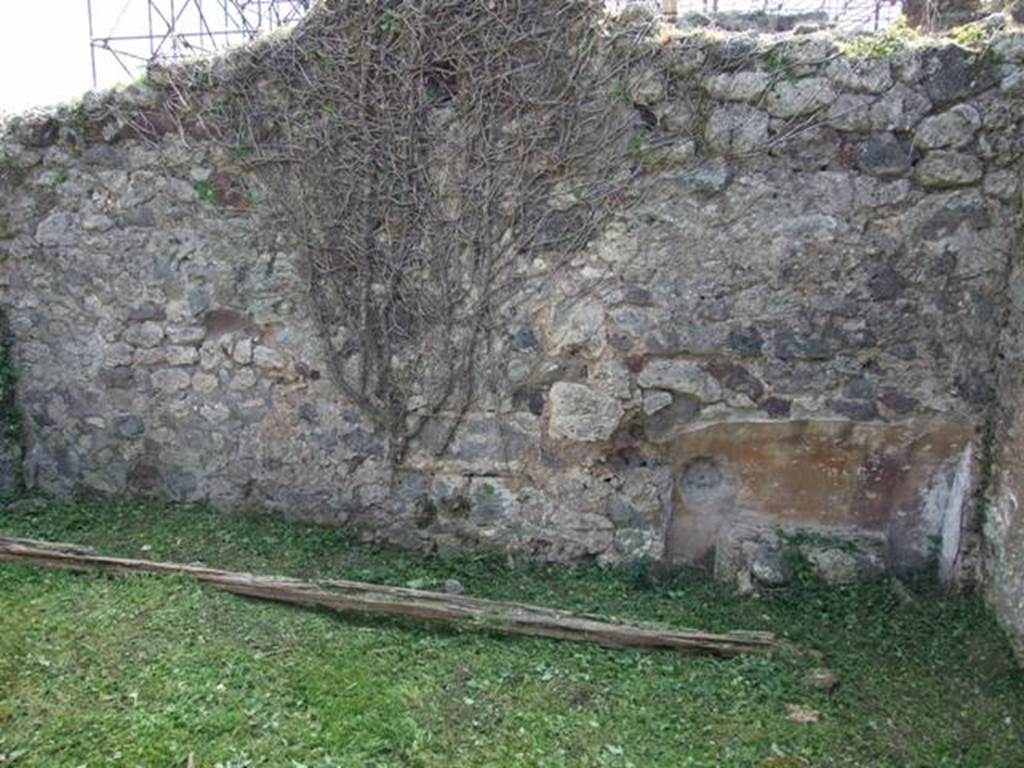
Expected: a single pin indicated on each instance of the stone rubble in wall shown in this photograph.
(827, 241)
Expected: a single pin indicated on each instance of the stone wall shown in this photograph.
(10, 417)
(1002, 518)
(796, 332)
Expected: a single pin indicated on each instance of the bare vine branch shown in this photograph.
(428, 158)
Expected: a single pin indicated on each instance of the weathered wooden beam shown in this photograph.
(506, 618)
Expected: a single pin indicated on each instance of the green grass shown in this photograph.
(143, 671)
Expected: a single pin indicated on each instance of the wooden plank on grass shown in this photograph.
(506, 618)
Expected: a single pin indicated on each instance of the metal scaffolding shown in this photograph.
(126, 35)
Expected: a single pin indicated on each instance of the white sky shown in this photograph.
(44, 44)
(44, 52)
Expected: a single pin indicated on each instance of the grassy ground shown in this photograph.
(145, 671)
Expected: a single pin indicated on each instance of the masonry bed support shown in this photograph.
(503, 618)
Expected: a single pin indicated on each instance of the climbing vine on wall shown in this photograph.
(429, 159)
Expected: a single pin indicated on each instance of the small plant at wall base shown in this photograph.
(430, 162)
